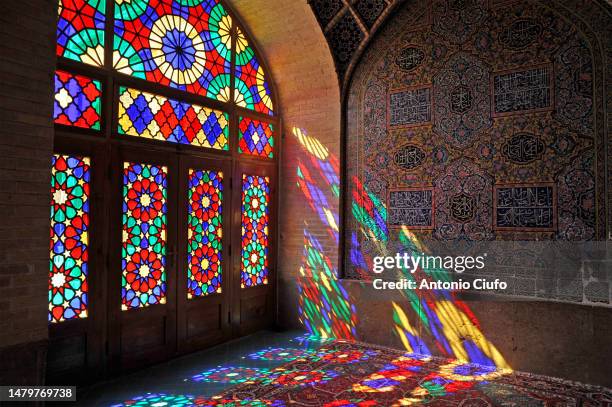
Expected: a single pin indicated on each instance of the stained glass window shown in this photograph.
(80, 30)
(70, 180)
(256, 137)
(77, 100)
(143, 114)
(252, 88)
(144, 235)
(205, 199)
(184, 44)
(255, 217)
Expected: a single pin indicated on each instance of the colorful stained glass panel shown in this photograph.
(143, 114)
(70, 181)
(184, 44)
(77, 100)
(204, 219)
(144, 235)
(256, 137)
(80, 30)
(255, 220)
(252, 88)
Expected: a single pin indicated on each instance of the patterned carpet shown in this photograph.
(342, 374)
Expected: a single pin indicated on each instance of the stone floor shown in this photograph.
(176, 377)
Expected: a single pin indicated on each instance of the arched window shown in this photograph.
(163, 174)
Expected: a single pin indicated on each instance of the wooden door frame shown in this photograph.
(116, 318)
(92, 328)
(185, 306)
(240, 327)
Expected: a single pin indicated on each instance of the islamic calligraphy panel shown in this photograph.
(523, 90)
(409, 157)
(411, 207)
(523, 148)
(409, 107)
(525, 207)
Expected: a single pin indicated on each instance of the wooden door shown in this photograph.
(143, 257)
(78, 344)
(253, 266)
(204, 277)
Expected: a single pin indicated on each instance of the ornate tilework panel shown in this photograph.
(408, 157)
(78, 101)
(410, 107)
(325, 10)
(517, 100)
(525, 207)
(462, 101)
(370, 10)
(412, 208)
(144, 114)
(457, 21)
(344, 39)
(523, 90)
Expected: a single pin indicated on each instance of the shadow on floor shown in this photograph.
(190, 374)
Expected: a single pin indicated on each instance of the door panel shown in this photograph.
(204, 239)
(142, 283)
(253, 266)
(77, 344)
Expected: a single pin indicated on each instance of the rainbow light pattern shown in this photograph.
(231, 375)
(252, 88)
(77, 101)
(144, 235)
(391, 375)
(255, 219)
(218, 401)
(143, 114)
(345, 357)
(299, 378)
(182, 44)
(204, 232)
(281, 354)
(159, 399)
(185, 400)
(256, 137)
(80, 31)
(70, 181)
(326, 309)
(324, 305)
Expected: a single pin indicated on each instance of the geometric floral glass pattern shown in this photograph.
(77, 100)
(255, 208)
(256, 137)
(204, 221)
(80, 31)
(70, 178)
(184, 44)
(144, 235)
(144, 114)
(252, 89)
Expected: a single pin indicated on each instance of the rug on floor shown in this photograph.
(351, 374)
(343, 374)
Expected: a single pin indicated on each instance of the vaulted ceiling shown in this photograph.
(348, 26)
